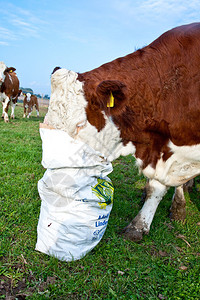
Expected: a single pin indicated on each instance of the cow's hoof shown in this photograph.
(131, 233)
(6, 120)
(12, 117)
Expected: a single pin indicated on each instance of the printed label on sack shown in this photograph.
(104, 191)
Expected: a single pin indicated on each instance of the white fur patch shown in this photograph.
(183, 165)
(67, 103)
(13, 109)
(107, 141)
(2, 69)
(149, 172)
(10, 77)
(6, 100)
(28, 97)
(3, 96)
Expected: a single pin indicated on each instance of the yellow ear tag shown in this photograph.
(111, 101)
(10, 71)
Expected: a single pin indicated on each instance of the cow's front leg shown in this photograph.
(13, 110)
(5, 109)
(178, 210)
(142, 222)
(29, 111)
(24, 116)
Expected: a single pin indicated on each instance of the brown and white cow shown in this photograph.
(9, 90)
(146, 104)
(29, 102)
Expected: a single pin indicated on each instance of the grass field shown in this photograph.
(165, 265)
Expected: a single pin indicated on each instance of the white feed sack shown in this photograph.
(76, 196)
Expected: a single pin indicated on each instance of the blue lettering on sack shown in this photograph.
(100, 223)
(103, 216)
(98, 233)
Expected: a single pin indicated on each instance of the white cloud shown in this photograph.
(159, 9)
(4, 43)
(18, 23)
(24, 28)
(6, 34)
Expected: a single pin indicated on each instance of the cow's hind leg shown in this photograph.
(5, 109)
(142, 222)
(37, 109)
(178, 210)
(13, 110)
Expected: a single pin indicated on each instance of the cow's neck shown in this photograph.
(107, 140)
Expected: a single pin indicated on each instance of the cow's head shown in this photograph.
(87, 115)
(67, 104)
(74, 105)
(28, 97)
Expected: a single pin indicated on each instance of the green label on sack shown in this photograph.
(104, 191)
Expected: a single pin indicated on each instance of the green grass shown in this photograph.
(165, 265)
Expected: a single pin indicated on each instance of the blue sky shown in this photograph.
(37, 35)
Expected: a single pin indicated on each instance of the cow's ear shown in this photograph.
(55, 69)
(9, 70)
(112, 95)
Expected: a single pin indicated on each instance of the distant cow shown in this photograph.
(9, 90)
(29, 102)
(146, 104)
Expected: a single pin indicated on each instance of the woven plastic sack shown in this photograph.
(76, 197)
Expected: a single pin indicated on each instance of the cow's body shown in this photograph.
(9, 90)
(155, 116)
(29, 102)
